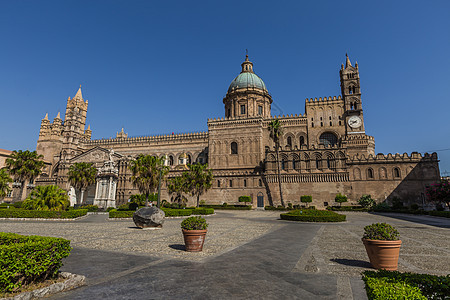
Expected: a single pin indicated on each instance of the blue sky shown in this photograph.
(156, 67)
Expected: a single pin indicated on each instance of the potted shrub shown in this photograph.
(194, 232)
(382, 245)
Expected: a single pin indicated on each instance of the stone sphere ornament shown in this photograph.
(149, 217)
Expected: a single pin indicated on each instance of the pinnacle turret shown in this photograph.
(347, 62)
(247, 66)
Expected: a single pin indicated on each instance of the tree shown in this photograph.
(439, 192)
(340, 199)
(5, 179)
(24, 166)
(245, 199)
(198, 180)
(145, 173)
(49, 197)
(275, 133)
(306, 199)
(366, 201)
(82, 175)
(178, 186)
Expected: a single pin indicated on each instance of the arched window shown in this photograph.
(234, 148)
(170, 160)
(350, 90)
(328, 163)
(328, 139)
(289, 141)
(302, 140)
(245, 182)
(318, 163)
(231, 183)
(260, 182)
(218, 183)
(189, 159)
(283, 165)
(396, 173)
(370, 173)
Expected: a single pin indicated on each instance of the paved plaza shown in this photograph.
(247, 255)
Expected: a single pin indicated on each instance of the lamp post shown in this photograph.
(159, 182)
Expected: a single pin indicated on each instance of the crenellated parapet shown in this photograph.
(324, 101)
(182, 137)
(380, 158)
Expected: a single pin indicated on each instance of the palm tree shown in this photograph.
(24, 166)
(145, 173)
(4, 183)
(49, 197)
(177, 185)
(275, 133)
(82, 175)
(198, 180)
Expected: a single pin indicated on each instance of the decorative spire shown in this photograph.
(78, 95)
(347, 63)
(58, 116)
(46, 117)
(89, 127)
(247, 66)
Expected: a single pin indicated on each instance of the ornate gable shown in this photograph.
(96, 155)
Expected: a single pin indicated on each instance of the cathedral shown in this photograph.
(322, 152)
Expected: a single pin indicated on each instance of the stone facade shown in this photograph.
(322, 152)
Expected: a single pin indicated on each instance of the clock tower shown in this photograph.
(351, 93)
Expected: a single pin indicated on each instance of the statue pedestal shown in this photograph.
(105, 192)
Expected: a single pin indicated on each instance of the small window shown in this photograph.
(170, 160)
(340, 123)
(289, 141)
(245, 182)
(231, 183)
(312, 124)
(260, 182)
(242, 109)
(330, 117)
(318, 163)
(370, 173)
(234, 148)
(302, 140)
(396, 173)
(321, 124)
(283, 165)
(331, 123)
(218, 183)
(328, 163)
(229, 112)
(320, 118)
(260, 110)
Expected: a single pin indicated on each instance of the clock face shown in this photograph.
(354, 122)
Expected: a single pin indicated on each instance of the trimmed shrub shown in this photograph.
(121, 214)
(89, 207)
(29, 259)
(383, 206)
(280, 208)
(42, 214)
(445, 214)
(229, 207)
(366, 201)
(430, 286)
(203, 211)
(194, 223)
(18, 204)
(313, 215)
(397, 203)
(245, 199)
(133, 206)
(340, 199)
(347, 208)
(177, 212)
(306, 199)
(381, 232)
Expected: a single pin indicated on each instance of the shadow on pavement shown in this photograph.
(352, 262)
(421, 219)
(178, 247)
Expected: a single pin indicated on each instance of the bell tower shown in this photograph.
(351, 93)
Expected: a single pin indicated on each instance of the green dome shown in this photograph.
(247, 80)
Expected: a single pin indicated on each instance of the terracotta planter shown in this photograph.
(194, 239)
(383, 254)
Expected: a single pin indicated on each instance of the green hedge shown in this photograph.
(89, 207)
(312, 215)
(28, 259)
(203, 211)
(395, 285)
(168, 211)
(347, 208)
(42, 214)
(228, 207)
(445, 214)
